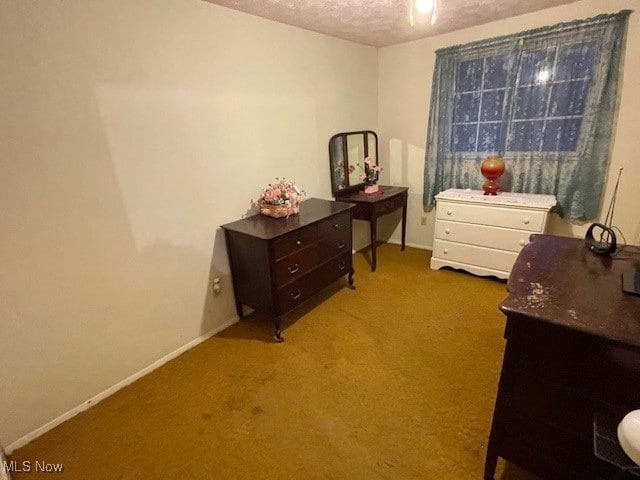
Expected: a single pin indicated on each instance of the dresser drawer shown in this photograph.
(305, 287)
(522, 219)
(293, 266)
(473, 255)
(334, 225)
(335, 245)
(294, 241)
(481, 235)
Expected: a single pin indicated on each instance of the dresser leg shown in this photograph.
(350, 278)
(278, 337)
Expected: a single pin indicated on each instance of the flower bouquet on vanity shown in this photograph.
(279, 199)
(369, 175)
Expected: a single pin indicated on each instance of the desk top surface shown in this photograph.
(559, 281)
(358, 197)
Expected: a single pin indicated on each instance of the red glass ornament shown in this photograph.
(492, 168)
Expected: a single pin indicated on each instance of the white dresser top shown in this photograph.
(511, 199)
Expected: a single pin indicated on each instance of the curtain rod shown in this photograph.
(557, 28)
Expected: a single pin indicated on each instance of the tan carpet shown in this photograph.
(395, 380)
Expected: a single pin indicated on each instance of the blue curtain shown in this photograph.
(544, 99)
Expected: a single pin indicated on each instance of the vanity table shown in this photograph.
(347, 152)
(572, 360)
(372, 207)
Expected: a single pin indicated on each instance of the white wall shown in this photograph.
(405, 75)
(129, 131)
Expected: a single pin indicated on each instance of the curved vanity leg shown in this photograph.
(278, 337)
(350, 278)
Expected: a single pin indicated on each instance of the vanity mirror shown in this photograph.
(348, 149)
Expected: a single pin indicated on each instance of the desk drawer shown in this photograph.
(295, 241)
(472, 255)
(390, 204)
(482, 235)
(521, 219)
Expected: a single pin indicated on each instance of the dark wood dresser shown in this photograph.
(279, 263)
(571, 367)
(371, 207)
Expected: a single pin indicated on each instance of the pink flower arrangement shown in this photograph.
(281, 192)
(369, 173)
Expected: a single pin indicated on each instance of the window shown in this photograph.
(544, 99)
(551, 87)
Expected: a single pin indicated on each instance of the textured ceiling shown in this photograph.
(384, 22)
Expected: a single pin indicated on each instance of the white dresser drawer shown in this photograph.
(530, 220)
(483, 257)
(482, 235)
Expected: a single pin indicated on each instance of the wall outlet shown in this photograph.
(423, 220)
(217, 288)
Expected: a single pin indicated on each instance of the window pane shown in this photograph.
(463, 138)
(492, 105)
(568, 98)
(531, 102)
(496, 71)
(469, 75)
(561, 135)
(526, 136)
(490, 137)
(575, 61)
(465, 107)
(533, 62)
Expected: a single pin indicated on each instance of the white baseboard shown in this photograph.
(111, 390)
(4, 474)
(409, 244)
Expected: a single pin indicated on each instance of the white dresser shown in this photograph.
(483, 234)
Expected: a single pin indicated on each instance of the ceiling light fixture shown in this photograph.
(422, 7)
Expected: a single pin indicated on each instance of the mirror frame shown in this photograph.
(344, 151)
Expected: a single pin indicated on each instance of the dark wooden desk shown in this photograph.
(572, 353)
(370, 207)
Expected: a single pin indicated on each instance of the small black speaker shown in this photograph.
(600, 239)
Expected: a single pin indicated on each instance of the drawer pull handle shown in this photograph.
(336, 225)
(447, 231)
(340, 244)
(293, 269)
(446, 250)
(298, 242)
(296, 296)
(449, 212)
(525, 220)
(342, 266)
(523, 242)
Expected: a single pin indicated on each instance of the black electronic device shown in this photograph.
(631, 281)
(600, 237)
